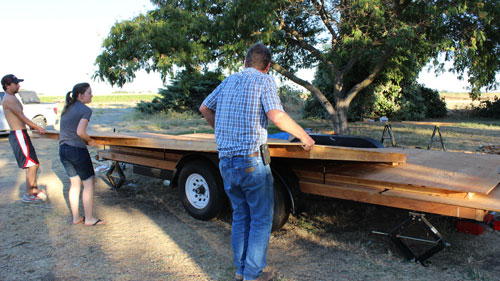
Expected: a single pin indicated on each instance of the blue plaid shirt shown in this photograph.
(241, 102)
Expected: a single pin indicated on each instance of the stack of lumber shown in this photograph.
(438, 172)
(430, 181)
(206, 143)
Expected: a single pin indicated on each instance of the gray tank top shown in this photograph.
(69, 124)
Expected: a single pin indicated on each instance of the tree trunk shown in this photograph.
(339, 120)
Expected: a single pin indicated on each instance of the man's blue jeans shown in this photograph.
(249, 186)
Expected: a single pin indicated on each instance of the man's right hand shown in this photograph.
(308, 143)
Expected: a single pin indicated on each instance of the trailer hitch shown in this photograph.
(403, 242)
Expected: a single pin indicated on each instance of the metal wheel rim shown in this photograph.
(197, 191)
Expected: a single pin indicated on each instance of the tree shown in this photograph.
(186, 93)
(394, 38)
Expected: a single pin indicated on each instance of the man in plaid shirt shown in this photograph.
(239, 109)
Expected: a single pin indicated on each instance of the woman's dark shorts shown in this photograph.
(76, 161)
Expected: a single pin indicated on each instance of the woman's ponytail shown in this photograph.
(72, 96)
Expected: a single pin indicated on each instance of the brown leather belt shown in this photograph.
(255, 154)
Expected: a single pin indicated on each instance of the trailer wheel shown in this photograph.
(201, 190)
(281, 206)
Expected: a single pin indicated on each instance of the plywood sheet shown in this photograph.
(453, 171)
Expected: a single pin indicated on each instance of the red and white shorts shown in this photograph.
(23, 149)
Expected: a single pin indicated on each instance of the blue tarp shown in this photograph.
(280, 135)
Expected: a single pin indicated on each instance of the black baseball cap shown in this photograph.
(10, 78)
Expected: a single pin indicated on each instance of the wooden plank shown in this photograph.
(133, 159)
(398, 186)
(147, 140)
(490, 202)
(366, 195)
(453, 171)
(205, 144)
(336, 179)
(323, 152)
(150, 152)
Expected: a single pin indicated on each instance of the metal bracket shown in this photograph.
(401, 240)
(109, 175)
(388, 129)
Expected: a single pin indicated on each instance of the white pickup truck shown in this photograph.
(42, 114)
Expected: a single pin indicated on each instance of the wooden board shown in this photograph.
(453, 171)
(462, 208)
(203, 143)
(380, 185)
(135, 159)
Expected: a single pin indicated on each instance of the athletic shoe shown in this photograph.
(30, 199)
(42, 195)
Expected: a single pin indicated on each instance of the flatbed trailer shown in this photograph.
(455, 184)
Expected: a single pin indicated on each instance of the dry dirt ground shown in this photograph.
(151, 237)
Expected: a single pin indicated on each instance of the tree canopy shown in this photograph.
(355, 43)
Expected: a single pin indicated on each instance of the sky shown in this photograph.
(53, 44)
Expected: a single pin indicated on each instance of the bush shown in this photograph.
(436, 106)
(418, 102)
(291, 99)
(188, 90)
(412, 102)
(489, 109)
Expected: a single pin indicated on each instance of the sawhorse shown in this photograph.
(388, 129)
(436, 128)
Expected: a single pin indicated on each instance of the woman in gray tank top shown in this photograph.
(74, 155)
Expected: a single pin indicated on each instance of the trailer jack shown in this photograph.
(402, 241)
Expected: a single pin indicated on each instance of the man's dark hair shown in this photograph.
(258, 56)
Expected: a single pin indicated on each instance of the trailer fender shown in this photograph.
(209, 158)
(288, 181)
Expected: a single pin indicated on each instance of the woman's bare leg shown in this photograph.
(88, 202)
(74, 198)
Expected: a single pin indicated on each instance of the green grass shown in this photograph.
(461, 135)
(114, 98)
(466, 95)
(171, 123)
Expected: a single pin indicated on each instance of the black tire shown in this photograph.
(201, 190)
(281, 206)
(40, 121)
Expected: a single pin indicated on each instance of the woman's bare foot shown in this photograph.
(78, 221)
(94, 222)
